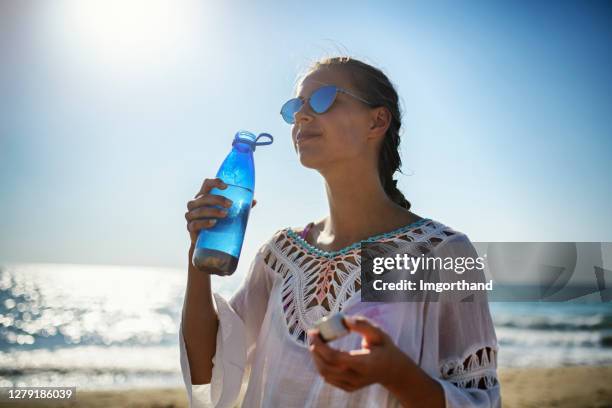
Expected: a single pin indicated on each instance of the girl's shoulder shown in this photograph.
(440, 238)
(303, 231)
(431, 228)
(307, 227)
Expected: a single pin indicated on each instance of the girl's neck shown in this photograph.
(357, 210)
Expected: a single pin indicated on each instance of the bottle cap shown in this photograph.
(250, 139)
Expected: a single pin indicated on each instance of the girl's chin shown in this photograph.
(309, 159)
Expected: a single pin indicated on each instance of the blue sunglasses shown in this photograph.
(320, 101)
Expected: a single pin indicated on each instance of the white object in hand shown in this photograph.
(332, 327)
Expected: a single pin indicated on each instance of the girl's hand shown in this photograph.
(202, 211)
(378, 361)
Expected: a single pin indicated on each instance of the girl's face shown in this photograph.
(341, 134)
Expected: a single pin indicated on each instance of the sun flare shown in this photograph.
(133, 31)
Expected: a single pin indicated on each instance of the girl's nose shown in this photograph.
(304, 114)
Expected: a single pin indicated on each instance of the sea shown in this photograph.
(116, 327)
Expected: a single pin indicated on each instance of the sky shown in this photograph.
(112, 113)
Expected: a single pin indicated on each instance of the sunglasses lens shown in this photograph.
(289, 109)
(323, 98)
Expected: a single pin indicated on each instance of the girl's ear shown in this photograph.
(381, 120)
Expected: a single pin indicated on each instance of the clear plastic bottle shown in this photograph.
(217, 249)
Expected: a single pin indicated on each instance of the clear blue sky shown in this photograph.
(112, 113)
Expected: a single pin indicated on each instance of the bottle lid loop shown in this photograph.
(262, 135)
(249, 138)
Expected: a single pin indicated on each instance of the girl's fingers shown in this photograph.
(361, 360)
(198, 225)
(344, 384)
(209, 199)
(371, 332)
(336, 367)
(205, 212)
(344, 378)
(328, 354)
(209, 184)
(357, 364)
(332, 369)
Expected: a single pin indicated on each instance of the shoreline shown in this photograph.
(560, 387)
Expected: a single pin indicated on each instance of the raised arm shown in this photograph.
(199, 325)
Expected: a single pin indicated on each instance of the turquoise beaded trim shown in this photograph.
(349, 248)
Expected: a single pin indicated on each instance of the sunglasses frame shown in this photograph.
(308, 100)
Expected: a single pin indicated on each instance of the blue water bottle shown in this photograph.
(217, 249)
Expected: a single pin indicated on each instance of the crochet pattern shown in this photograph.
(317, 283)
(476, 370)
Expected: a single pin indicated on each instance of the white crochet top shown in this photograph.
(262, 343)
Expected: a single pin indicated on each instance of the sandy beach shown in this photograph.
(567, 387)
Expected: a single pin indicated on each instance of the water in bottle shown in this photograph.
(217, 249)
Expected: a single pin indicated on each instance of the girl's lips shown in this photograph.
(306, 136)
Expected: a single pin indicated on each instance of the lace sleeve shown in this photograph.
(477, 369)
(250, 301)
(467, 343)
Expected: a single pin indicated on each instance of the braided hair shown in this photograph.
(374, 86)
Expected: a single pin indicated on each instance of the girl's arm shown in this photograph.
(200, 324)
